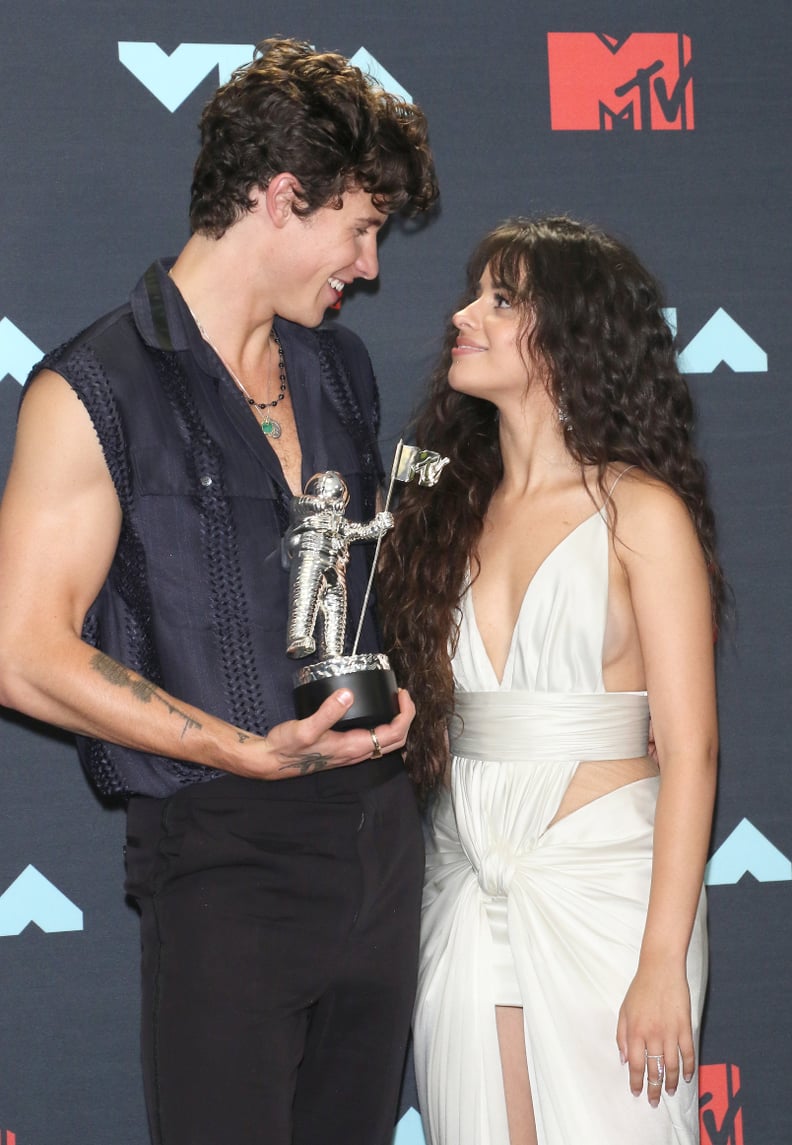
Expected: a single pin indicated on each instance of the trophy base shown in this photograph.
(369, 678)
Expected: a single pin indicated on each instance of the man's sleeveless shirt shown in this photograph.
(196, 599)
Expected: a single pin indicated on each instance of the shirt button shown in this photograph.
(206, 481)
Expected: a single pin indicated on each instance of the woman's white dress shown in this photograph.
(549, 918)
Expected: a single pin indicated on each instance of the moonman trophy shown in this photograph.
(316, 545)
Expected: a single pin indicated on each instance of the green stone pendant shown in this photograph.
(270, 427)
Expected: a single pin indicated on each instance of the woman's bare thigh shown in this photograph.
(516, 1082)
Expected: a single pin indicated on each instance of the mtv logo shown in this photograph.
(32, 898)
(747, 851)
(720, 1105)
(720, 339)
(171, 78)
(18, 355)
(642, 81)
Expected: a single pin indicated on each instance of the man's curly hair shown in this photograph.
(316, 116)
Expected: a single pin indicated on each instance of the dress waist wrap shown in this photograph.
(549, 726)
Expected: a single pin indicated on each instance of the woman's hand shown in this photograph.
(654, 1029)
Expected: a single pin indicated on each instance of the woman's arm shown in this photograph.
(669, 592)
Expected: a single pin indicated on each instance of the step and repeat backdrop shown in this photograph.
(667, 123)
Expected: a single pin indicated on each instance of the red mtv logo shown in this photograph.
(720, 1105)
(641, 81)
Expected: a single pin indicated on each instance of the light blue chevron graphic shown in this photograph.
(364, 60)
(18, 355)
(747, 851)
(32, 898)
(171, 78)
(409, 1131)
(720, 339)
(723, 340)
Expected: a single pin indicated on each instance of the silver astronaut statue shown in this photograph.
(316, 546)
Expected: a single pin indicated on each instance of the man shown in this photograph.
(143, 605)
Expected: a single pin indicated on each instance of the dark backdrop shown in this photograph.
(100, 104)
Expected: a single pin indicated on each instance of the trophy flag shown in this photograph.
(421, 465)
(410, 463)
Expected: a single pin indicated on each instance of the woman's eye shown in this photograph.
(502, 302)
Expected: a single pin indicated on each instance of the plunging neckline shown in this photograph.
(539, 568)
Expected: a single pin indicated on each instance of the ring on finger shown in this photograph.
(660, 1059)
(377, 752)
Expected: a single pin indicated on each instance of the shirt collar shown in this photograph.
(165, 321)
(156, 310)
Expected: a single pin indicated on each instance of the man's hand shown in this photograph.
(301, 747)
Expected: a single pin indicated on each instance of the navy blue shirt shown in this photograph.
(197, 597)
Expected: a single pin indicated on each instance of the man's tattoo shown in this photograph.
(307, 764)
(243, 737)
(141, 689)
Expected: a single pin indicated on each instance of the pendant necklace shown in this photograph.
(269, 426)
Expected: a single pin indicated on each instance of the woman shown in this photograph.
(558, 586)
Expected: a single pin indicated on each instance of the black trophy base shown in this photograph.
(369, 678)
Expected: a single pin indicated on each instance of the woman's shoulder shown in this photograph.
(647, 510)
(630, 485)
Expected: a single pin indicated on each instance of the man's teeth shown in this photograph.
(336, 284)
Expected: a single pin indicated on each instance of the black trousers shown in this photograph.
(279, 946)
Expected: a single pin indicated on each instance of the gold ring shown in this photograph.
(377, 752)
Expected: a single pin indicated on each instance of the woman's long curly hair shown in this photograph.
(593, 317)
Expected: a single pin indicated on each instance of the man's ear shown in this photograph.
(279, 197)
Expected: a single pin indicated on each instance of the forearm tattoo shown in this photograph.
(307, 764)
(141, 689)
